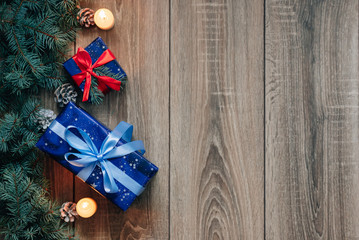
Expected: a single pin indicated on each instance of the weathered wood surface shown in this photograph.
(216, 126)
(248, 107)
(312, 165)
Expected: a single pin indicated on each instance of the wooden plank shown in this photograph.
(140, 41)
(217, 120)
(312, 166)
(60, 190)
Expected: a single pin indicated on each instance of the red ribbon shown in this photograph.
(83, 60)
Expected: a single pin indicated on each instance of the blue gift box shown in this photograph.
(95, 49)
(133, 166)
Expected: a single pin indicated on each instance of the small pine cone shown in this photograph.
(85, 17)
(44, 118)
(68, 211)
(64, 94)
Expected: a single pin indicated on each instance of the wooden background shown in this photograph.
(248, 107)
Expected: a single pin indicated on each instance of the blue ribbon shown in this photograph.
(88, 156)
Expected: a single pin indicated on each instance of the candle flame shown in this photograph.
(102, 14)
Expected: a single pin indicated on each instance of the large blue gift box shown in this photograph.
(95, 50)
(75, 139)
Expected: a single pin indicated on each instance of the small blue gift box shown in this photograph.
(97, 49)
(106, 160)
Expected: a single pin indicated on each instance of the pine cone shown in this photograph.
(45, 117)
(64, 94)
(68, 211)
(85, 17)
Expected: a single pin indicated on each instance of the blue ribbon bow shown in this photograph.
(89, 156)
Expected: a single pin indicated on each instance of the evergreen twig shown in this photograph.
(96, 95)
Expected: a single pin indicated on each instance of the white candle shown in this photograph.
(86, 207)
(104, 19)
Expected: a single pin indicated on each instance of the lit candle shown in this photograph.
(86, 207)
(104, 19)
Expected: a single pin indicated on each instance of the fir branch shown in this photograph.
(42, 32)
(18, 9)
(42, 21)
(22, 53)
(33, 111)
(96, 96)
(14, 62)
(105, 71)
(30, 183)
(6, 20)
(16, 194)
(61, 53)
(21, 147)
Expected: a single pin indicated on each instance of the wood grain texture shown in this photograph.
(140, 42)
(253, 124)
(216, 123)
(312, 166)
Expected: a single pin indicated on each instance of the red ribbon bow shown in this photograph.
(83, 60)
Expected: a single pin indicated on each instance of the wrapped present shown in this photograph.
(106, 160)
(96, 60)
